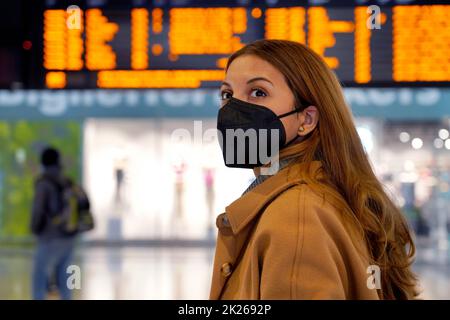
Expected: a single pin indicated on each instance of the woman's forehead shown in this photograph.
(247, 67)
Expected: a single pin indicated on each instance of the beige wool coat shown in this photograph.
(281, 240)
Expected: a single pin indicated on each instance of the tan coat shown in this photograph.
(281, 240)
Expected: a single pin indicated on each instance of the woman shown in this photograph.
(321, 227)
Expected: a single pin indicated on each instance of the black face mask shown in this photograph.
(250, 134)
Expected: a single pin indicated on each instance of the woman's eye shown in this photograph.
(256, 93)
(225, 95)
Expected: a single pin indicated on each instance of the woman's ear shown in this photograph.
(308, 120)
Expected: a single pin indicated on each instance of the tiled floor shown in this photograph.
(159, 273)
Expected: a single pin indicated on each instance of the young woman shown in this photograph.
(321, 227)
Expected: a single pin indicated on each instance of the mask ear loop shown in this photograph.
(296, 110)
(289, 113)
(302, 107)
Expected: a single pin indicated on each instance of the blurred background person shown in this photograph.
(55, 221)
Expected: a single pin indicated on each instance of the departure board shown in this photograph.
(185, 44)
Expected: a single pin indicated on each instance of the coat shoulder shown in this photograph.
(293, 206)
(302, 212)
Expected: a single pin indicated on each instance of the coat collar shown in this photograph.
(243, 210)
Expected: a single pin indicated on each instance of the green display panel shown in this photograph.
(20, 146)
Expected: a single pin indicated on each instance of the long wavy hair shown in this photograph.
(351, 183)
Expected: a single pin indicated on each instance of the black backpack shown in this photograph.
(75, 215)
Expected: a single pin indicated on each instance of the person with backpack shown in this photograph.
(60, 211)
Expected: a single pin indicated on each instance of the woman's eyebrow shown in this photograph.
(224, 83)
(259, 78)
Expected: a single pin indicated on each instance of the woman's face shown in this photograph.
(252, 79)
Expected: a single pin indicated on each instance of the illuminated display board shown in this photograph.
(157, 44)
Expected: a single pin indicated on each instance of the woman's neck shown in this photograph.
(257, 171)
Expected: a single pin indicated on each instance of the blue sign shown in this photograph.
(383, 103)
